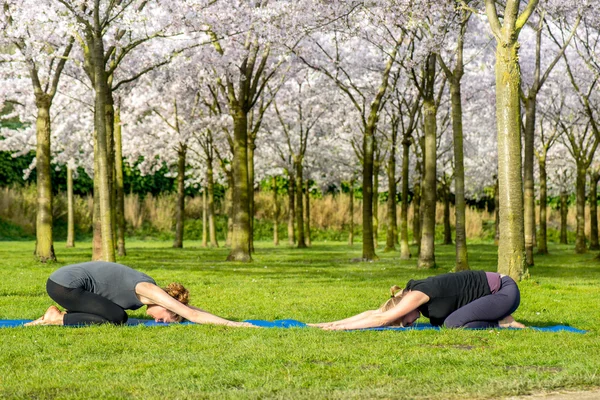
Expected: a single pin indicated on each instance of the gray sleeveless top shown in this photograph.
(115, 282)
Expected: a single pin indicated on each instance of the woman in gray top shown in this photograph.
(99, 292)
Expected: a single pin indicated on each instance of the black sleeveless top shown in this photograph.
(449, 292)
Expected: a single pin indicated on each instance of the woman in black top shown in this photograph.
(468, 299)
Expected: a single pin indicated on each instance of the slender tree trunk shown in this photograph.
(496, 213)
(392, 229)
(511, 249)
(594, 245)
(462, 261)
(404, 249)
(229, 209)
(180, 209)
(240, 240)
(204, 219)
(291, 209)
(276, 212)
(447, 228)
(110, 155)
(210, 186)
(529, 195)
(44, 248)
(564, 210)
(251, 148)
(299, 201)
(119, 184)
(368, 248)
(416, 202)
(96, 222)
(351, 212)
(70, 209)
(580, 246)
(104, 172)
(375, 202)
(307, 215)
(543, 241)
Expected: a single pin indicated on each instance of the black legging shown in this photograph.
(85, 308)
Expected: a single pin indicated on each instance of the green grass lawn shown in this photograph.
(312, 285)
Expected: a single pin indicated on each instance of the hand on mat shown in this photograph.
(242, 325)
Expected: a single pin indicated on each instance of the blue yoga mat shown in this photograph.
(292, 323)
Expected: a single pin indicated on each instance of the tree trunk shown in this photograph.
(204, 219)
(104, 172)
(447, 228)
(307, 215)
(375, 203)
(594, 245)
(240, 240)
(427, 246)
(564, 210)
(351, 212)
(416, 202)
(229, 210)
(529, 195)
(392, 228)
(276, 213)
(96, 222)
(543, 241)
(44, 247)
(404, 249)
(70, 210)
(580, 246)
(120, 195)
(368, 248)
(496, 213)
(291, 209)
(110, 155)
(180, 209)
(462, 261)
(251, 148)
(511, 249)
(299, 201)
(210, 186)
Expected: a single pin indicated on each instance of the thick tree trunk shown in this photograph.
(120, 195)
(529, 195)
(204, 219)
(404, 249)
(542, 240)
(594, 245)
(351, 212)
(462, 261)
(210, 186)
(44, 248)
(180, 208)
(307, 238)
(427, 246)
(70, 209)
(299, 201)
(447, 228)
(291, 209)
(240, 240)
(104, 172)
(276, 212)
(392, 228)
(580, 246)
(511, 249)
(564, 210)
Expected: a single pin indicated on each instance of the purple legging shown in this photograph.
(486, 311)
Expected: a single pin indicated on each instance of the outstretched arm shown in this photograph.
(410, 301)
(152, 294)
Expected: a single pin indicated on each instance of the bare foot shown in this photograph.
(509, 322)
(52, 316)
(39, 321)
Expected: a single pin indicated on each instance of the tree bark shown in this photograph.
(229, 209)
(529, 195)
(351, 212)
(119, 184)
(580, 246)
(240, 240)
(299, 201)
(276, 212)
(375, 202)
(251, 148)
(291, 209)
(180, 209)
(416, 222)
(44, 247)
(392, 228)
(542, 240)
(404, 249)
(496, 213)
(594, 245)
(307, 216)
(210, 186)
(564, 210)
(70, 209)
(447, 228)
(204, 219)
